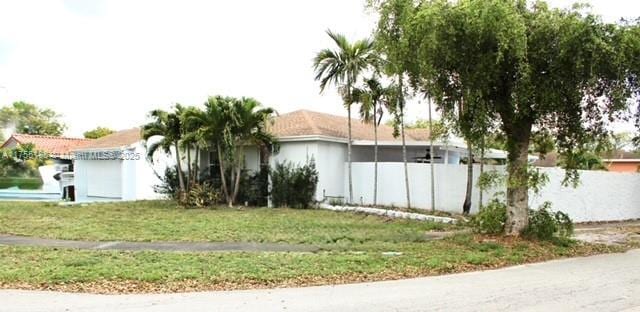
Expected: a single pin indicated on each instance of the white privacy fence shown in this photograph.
(601, 196)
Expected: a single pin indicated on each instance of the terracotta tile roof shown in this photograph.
(620, 155)
(120, 139)
(54, 145)
(309, 123)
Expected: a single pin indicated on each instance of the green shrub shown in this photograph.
(491, 218)
(544, 224)
(21, 183)
(22, 162)
(254, 188)
(169, 184)
(203, 196)
(293, 186)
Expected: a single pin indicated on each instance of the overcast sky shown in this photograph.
(107, 63)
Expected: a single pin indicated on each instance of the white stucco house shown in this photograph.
(305, 135)
(115, 167)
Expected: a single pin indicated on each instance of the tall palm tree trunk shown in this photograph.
(404, 145)
(189, 176)
(466, 207)
(197, 169)
(375, 155)
(179, 168)
(433, 182)
(349, 142)
(481, 171)
(349, 157)
(239, 165)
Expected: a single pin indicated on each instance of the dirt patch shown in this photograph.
(611, 233)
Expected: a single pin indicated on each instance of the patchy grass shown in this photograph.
(164, 221)
(353, 248)
(126, 272)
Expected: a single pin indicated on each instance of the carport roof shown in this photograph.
(120, 139)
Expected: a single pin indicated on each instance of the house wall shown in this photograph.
(331, 169)
(137, 176)
(146, 174)
(601, 195)
(328, 156)
(252, 158)
(10, 143)
(80, 177)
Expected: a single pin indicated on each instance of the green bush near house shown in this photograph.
(545, 224)
(21, 183)
(294, 186)
(491, 218)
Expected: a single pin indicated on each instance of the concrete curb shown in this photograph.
(390, 213)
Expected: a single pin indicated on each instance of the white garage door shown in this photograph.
(104, 178)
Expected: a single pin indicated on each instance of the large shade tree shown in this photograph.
(526, 67)
(342, 67)
(27, 118)
(97, 132)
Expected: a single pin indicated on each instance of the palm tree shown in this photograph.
(228, 125)
(190, 142)
(396, 107)
(209, 135)
(372, 98)
(249, 127)
(168, 127)
(342, 67)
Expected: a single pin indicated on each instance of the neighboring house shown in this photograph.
(115, 167)
(548, 160)
(59, 149)
(623, 161)
(620, 161)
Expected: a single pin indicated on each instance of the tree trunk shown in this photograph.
(375, 155)
(180, 177)
(197, 169)
(433, 182)
(481, 190)
(517, 190)
(236, 187)
(466, 207)
(239, 166)
(349, 156)
(223, 178)
(189, 176)
(404, 146)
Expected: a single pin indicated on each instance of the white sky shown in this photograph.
(107, 63)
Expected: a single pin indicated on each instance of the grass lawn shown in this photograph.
(353, 248)
(164, 221)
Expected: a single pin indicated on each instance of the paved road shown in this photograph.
(599, 283)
